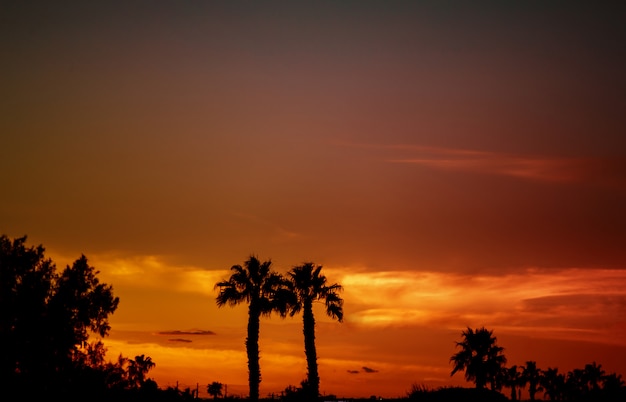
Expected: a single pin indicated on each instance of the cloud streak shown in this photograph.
(191, 332)
(525, 167)
(528, 167)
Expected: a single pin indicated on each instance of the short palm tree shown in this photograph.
(593, 376)
(138, 368)
(264, 291)
(531, 375)
(512, 379)
(480, 357)
(215, 389)
(309, 285)
(553, 384)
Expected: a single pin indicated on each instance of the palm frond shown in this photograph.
(229, 295)
(334, 310)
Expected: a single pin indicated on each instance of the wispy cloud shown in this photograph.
(191, 332)
(529, 167)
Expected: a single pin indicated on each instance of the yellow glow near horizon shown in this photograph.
(399, 297)
(406, 306)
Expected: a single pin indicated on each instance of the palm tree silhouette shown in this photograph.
(265, 292)
(612, 386)
(215, 389)
(138, 368)
(512, 379)
(479, 357)
(575, 384)
(553, 384)
(593, 375)
(308, 286)
(531, 375)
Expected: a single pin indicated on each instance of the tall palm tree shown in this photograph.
(531, 375)
(309, 285)
(480, 357)
(265, 292)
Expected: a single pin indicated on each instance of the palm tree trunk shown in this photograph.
(313, 378)
(252, 348)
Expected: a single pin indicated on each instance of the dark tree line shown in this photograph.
(483, 362)
(47, 319)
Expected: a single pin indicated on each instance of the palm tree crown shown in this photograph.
(257, 285)
(512, 378)
(138, 368)
(309, 285)
(531, 375)
(265, 292)
(215, 389)
(480, 357)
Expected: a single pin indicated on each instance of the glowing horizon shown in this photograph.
(575, 307)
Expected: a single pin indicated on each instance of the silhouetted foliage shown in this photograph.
(46, 318)
(531, 375)
(480, 357)
(296, 394)
(512, 379)
(590, 383)
(309, 285)
(215, 389)
(445, 394)
(137, 370)
(265, 292)
(553, 384)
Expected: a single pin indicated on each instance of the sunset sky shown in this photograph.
(451, 164)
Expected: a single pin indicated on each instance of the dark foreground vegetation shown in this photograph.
(47, 319)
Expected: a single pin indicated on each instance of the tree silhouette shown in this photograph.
(309, 285)
(46, 318)
(137, 370)
(215, 389)
(593, 375)
(531, 375)
(575, 384)
(553, 384)
(613, 387)
(512, 378)
(265, 292)
(479, 357)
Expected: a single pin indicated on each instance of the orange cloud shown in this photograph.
(581, 304)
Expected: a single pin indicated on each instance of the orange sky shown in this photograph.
(451, 165)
